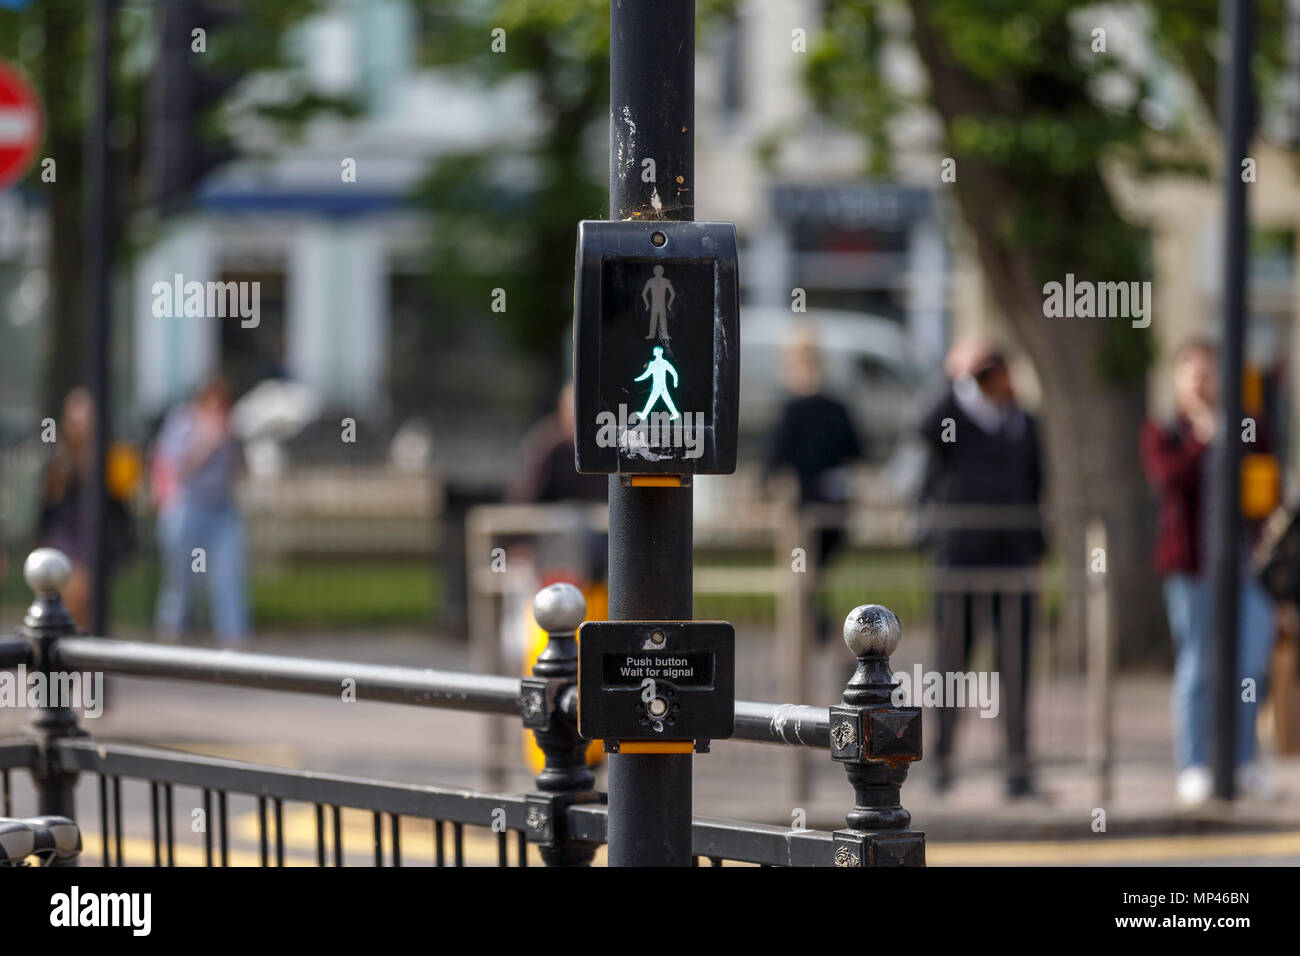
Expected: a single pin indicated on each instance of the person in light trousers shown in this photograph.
(206, 532)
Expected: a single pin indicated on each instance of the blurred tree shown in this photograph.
(506, 215)
(50, 40)
(1040, 109)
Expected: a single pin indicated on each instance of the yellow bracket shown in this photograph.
(655, 481)
(656, 747)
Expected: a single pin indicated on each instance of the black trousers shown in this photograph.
(1008, 616)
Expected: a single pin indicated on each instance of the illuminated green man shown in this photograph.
(660, 368)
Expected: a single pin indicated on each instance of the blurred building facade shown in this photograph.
(340, 263)
(793, 184)
(325, 224)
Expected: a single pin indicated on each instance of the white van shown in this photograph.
(867, 362)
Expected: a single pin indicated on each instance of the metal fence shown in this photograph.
(745, 552)
(564, 818)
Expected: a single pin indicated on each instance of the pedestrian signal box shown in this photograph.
(656, 681)
(656, 336)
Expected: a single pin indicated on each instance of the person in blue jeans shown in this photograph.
(173, 608)
(1177, 458)
(1189, 600)
(208, 531)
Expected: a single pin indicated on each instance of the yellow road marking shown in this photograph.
(480, 845)
(1115, 849)
(138, 851)
(357, 829)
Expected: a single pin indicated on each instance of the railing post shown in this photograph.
(796, 623)
(47, 572)
(876, 742)
(565, 778)
(1100, 668)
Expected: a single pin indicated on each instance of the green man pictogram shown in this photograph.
(660, 369)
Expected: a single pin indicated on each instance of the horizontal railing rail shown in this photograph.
(792, 725)
(565, 818)
(450, 690)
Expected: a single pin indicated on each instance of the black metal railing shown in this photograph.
(564, 819)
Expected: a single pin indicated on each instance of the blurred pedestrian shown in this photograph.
(815, 438)
(209, 533)
(984, 482)
(174, 611)
(62, 519)
(1177, 457)
(548, 474)
(547, 469)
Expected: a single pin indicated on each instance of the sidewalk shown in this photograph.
(1141, 801)
(1142, 804)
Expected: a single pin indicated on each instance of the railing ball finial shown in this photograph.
(875, 741)
(565, 778)
(47, 571)
(871, 630)
(559, 608)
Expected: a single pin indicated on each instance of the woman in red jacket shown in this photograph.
(1177, 457)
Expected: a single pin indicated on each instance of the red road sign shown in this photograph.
(22, 125)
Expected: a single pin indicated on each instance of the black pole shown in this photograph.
(1236, 110)
(98, 311)
(652, 116)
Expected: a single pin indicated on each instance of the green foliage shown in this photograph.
(328, 596)
(859, 99)
(1033, 114)
(306, 594)
(51, 41)
(506, 216)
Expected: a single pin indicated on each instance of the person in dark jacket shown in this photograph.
(815, 439)
(547, 474)
(62, 522)
(1177, 457)
(546, 470)
(983, 485)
